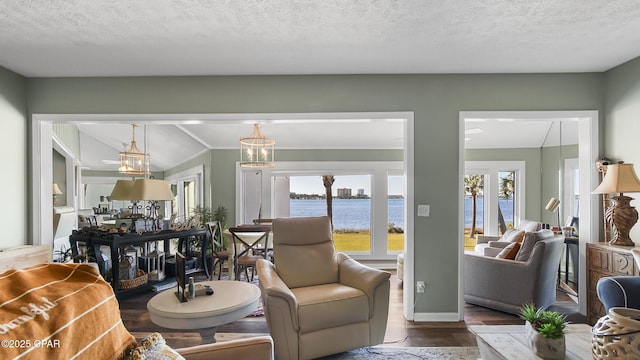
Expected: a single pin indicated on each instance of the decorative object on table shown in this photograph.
(56, 191)
(553, 206)
(257, 150)
(128, 265)
(154, 261)
(617, 335)
(140, 279)
(545, 331)
(192, 287)
(181, 277)
(601, 166)
(620, 178)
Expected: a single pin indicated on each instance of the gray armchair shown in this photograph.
(506, 285)
(318, 301)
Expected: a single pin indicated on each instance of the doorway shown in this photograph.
(587, 135)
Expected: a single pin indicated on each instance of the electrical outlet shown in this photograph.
(420, 286)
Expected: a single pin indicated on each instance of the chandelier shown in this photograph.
(256, 150)
(134, 161)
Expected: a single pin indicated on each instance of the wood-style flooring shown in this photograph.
(400, 332)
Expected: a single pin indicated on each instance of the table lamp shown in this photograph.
(620, 178)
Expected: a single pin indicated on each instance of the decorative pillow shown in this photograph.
(530, 240)
(154, 347)
(512, 235)
(66, 311)
(509, 252)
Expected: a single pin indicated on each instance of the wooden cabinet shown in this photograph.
(605, 260)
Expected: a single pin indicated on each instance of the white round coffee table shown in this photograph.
(231, 301)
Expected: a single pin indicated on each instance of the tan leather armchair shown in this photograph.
(318, 301)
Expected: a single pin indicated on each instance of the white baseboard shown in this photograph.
(436, 317)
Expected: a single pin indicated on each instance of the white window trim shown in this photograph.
(379, 170)
(492, 186)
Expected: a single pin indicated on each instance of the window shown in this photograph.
(360, 200)
(395, 212)
(493, 193)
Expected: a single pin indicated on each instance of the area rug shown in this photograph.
(390, 352)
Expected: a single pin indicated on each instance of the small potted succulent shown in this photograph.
(545, 331)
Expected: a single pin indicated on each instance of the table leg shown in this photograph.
(208, 335)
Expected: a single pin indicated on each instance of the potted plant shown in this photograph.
(545, 331)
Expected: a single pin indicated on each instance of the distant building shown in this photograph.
(360, 192)
(344, 193)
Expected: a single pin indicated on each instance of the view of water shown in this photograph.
(356, 213)
(505, 205)
(347, 213)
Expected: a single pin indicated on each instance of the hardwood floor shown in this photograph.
(400, 332)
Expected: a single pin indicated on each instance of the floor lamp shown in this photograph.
(620, 178)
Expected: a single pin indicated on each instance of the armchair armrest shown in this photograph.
(361, 277)
(498, 244)
(487, 276)
(259, 348)
(482, 239)
(491, 251)
(272, 286)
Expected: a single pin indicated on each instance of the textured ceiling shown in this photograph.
(210, 37)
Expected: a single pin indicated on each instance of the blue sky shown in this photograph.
(313, 184)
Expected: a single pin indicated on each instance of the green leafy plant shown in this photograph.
(550, 324)
(204, 212)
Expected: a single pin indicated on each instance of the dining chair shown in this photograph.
(219, 253)
(249, 245)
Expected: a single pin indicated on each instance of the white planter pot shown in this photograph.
(550, 349)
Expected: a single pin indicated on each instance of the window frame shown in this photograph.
(491, 170)
(378, 170)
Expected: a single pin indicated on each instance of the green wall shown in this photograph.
(436, 101)
(622, 120)
(13, 144)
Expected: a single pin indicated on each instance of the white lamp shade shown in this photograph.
(620, 178)
(56, 190)
(552, 205)
(151, 189)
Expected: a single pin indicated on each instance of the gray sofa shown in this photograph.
(506, 285)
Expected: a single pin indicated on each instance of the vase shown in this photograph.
(550, 349)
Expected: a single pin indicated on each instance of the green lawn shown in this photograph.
(361, 241)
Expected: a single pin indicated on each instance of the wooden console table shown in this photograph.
(116, 242)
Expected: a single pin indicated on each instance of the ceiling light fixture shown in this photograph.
(256, 150)
(134, 161)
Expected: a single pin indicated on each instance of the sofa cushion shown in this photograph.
(529, 241)
(529, 225)
(330, 305)
(512, 235)
(509, 252)
(69, 306)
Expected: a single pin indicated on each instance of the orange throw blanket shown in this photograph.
(60, 311)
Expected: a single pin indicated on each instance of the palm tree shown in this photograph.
(506, 192)
(327, 181)
(473, 185)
